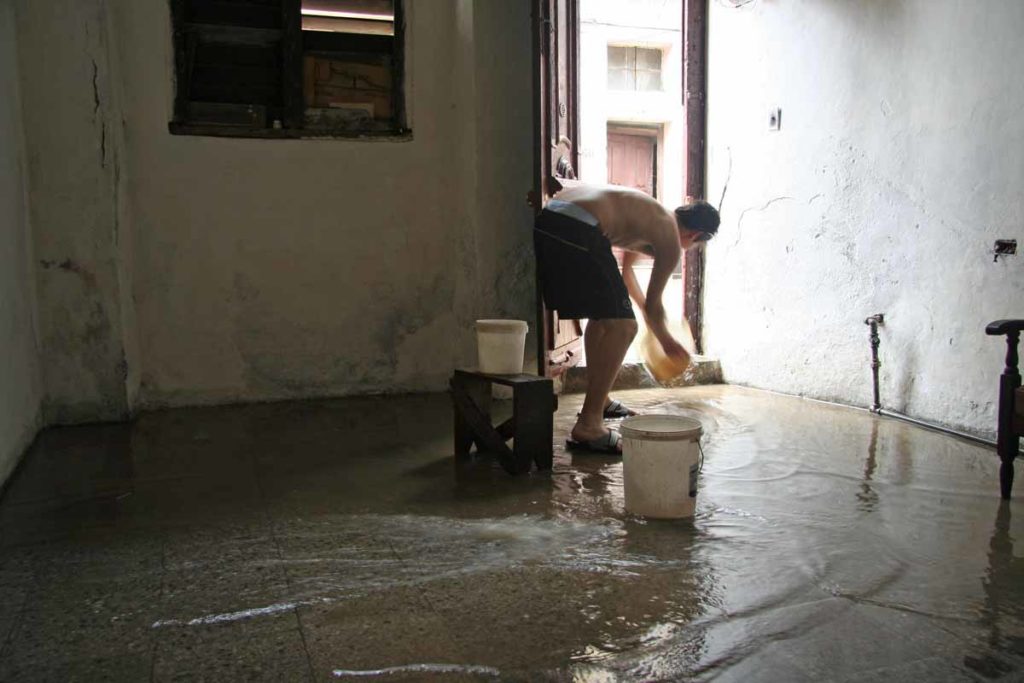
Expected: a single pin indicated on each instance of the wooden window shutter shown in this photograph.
(238, 62)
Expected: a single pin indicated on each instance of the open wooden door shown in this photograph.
(556, 128)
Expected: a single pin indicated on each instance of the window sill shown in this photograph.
(213, 130)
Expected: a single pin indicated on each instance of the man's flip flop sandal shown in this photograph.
(616, 411)
(607, 444)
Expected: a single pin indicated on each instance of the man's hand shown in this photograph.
(654, 315)
(674, 350)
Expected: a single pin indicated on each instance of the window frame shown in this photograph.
(635, 69)
(293, 109)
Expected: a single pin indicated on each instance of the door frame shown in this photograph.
(556, 30)
(546, 20)
(695, 86)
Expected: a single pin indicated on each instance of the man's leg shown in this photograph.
(606, 342)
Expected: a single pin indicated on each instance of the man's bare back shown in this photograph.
(629, 218)
(637, 223)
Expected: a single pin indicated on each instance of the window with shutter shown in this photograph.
(289, 68)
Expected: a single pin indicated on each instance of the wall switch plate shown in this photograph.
(1004, 248)
(775, 119)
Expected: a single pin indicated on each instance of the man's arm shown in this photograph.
(666, 257)
(629, 277)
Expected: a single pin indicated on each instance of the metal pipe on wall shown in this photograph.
(928, 425)
(873, 323)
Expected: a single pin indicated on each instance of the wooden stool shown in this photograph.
(530, 427)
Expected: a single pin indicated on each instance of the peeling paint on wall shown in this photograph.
(67, 265)
(188, 270)
(74, 206)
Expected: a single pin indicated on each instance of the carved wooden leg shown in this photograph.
(1007, 441)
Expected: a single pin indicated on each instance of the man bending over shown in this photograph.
(574, 236)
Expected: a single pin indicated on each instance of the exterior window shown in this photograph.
(634, 68)
(289, 68)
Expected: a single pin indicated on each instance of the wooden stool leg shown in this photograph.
(478, 392)
(477, 422)
(463, 434)
(534, 424)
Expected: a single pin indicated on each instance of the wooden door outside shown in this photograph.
(631, 160)
(631, 163)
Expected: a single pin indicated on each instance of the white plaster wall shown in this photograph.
(897, 166)
(20, 383)
(496, 141)
(72, 127)
(266, 269)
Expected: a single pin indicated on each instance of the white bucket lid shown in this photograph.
(501, 326)
(661, 428)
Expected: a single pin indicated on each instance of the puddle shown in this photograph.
(827, 543)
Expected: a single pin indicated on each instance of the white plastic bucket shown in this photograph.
(660, 462)
(500, 345)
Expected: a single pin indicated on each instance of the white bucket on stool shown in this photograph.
(499, 347)
(660, 462)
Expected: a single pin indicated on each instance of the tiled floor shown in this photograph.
(338, 540)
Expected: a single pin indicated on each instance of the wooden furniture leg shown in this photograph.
(534, 425)
(1007, 436)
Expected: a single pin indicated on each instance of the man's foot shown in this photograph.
(608, 443)
(615, 410)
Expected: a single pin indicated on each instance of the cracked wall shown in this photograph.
(270, 269)
(179, 270)
(74, 141)
(896, 168)
(21, 389)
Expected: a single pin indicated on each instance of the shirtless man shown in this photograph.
(574, 236)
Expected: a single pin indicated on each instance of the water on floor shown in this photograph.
(337, 540)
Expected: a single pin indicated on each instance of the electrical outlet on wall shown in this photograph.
(1004, 248)
(775, 119)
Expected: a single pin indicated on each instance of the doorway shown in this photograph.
(632, 122)
(620, 98)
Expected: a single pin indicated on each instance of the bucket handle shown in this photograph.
(701, 448)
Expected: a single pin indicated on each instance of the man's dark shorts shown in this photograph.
(579, 275)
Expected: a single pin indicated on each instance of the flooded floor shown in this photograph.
(337, 540)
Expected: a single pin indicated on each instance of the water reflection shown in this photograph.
(642, 628)
(1002, 614)
(867, 496)
(828, 543)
